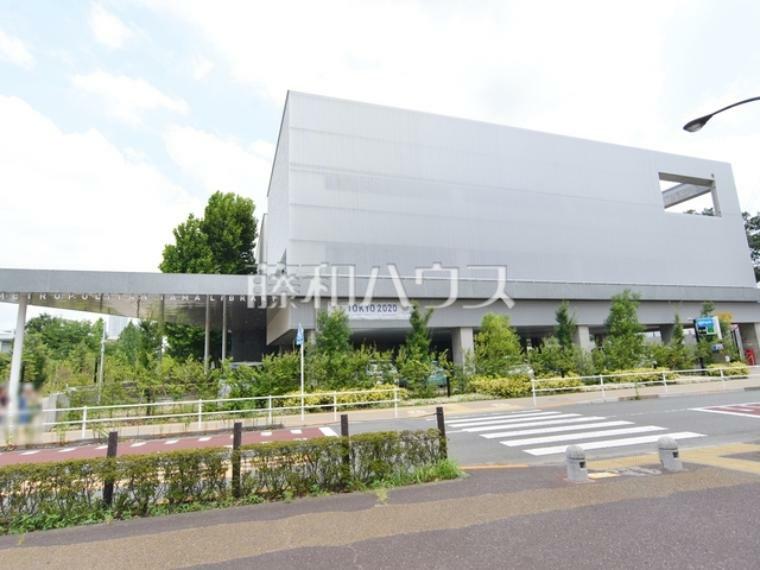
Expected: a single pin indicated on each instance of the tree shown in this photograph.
(677, 355)
(220, 242)
(565, 326)
(708, 307)
(230, 227)
(414, 360)
(552, 359)
(417, 343)
(624, 345)
(333, 333)
(497, 346)
(190, 252)
(752, 228)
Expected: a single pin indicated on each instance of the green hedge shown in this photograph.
(381, 393)
(639, 375)
(49, 495)
(730, 370)
(516, 387)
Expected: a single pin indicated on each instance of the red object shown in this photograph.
(749, 354)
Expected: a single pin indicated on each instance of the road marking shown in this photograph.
(66, 450)
(495, 419)
(296, 431)
(206, 438)
(30, 452)
(328, 431)
(580, 436)
(138, 444)
(100, 447)
(555, 429)
(553, 421)
(727, 412)
(170, 441)
(538, 451)
(266, 433)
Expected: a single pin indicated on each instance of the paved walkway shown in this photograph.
(373, 414)
(630, 516)
(141, 447)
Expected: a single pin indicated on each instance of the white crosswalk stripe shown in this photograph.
(562, 430)
(613, 443)
(554, 429)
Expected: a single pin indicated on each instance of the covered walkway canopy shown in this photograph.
(228, 303)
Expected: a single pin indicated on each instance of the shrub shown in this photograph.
(730, 370)
(380, 393)
(639, 375)
(513, 387)
(48, 495)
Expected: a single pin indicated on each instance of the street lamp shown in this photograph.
(694, 125)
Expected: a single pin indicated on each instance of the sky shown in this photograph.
(118, 119)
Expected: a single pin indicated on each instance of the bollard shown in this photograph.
(575, 458)
(346, 460)
(113, 442)
(669, 456)
(237, 440)
(442, 431)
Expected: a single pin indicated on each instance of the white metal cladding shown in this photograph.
(361, 184)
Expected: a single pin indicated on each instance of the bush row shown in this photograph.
(48, 495)
(379, 393)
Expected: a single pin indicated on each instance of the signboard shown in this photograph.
(708, 326)
(379, 311)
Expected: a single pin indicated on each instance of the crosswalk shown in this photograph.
(541, 433)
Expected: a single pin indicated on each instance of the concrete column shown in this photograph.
(461, 343)
(750, 333)
(582, 338)
(18, 352)
(311, 336)
(666, 333)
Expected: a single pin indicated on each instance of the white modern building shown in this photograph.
(379, 194)
(6, 342)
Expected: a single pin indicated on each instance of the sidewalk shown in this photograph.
(526, 518)
(611, 393)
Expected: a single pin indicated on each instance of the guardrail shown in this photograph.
(606, 382)
(202, 410)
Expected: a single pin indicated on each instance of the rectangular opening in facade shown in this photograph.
(689, 195)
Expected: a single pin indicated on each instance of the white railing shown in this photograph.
(198, 410)
(606, 382)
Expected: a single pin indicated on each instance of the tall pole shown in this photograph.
(224, 328)
(206, 337)
(18, 352)
(101, 367)
(302, 394)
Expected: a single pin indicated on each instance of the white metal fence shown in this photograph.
(201, 411)
(604, 383)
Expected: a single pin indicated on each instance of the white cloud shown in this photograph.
(127, 98)
(14, 51)
(225, 164)
(201, 67)
(73, 200)
(108, 29)
(627, 73)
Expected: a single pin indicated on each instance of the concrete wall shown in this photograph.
(362, 184)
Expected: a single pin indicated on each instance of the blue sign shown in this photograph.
(299, 335)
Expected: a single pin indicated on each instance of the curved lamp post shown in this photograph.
(694, 125)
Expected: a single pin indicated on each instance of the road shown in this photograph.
(536, 436)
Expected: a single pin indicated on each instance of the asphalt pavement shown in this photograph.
(606, 429)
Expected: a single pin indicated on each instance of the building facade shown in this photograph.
(386, 206)
(364, 186)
